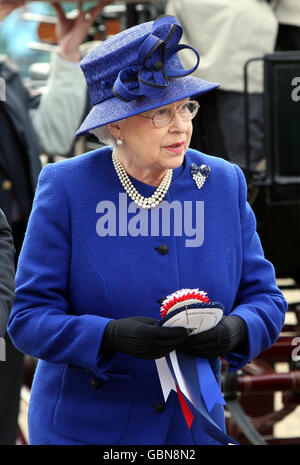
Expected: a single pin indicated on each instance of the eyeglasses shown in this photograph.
(164, 116)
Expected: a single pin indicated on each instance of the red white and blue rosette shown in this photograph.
(192, 377)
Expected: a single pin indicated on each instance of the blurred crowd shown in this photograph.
(227, 33)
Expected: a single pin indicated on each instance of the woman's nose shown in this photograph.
(178, 124)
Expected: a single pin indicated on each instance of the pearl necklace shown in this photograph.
(144, 202)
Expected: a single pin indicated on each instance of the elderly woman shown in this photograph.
(112, 233)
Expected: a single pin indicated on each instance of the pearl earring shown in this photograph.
(119, 142)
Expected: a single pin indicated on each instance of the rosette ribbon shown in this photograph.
(154, 69)
(197, 389)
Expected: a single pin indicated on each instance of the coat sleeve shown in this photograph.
(7, 272)
(61, 107)
(41, 322)
(259, 301)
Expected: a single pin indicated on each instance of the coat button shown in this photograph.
(157, 65)
(6, 185)
(159, 408)
(162, 249)
(96, 383)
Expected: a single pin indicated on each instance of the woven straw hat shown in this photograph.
(138, 70)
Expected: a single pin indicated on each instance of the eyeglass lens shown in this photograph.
(187, 112)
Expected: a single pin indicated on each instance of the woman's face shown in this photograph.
(149, 147)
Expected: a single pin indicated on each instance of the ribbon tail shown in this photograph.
(165, 377)
(203, 396)
(167, 381)
(209, 386)
(212, 429)
(181, 372)
(178, 376)
(189, 417)
(181, 388)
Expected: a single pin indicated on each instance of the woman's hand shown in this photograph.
(229, 333)
(71, 33)
(6, 8)
(140, 337)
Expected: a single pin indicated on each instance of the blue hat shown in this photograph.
(138, 70)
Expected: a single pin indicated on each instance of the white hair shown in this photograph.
(104, 135)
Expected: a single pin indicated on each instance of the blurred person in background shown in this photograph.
(227, 33)
(18, 46)
(288, 15)
(31, 124)
(7, 278)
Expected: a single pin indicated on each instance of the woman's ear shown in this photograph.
(115, 130)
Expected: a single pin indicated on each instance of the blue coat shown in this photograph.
(89, 257)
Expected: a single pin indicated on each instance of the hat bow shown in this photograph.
(152, 75)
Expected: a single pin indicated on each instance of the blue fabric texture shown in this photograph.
(72, 279)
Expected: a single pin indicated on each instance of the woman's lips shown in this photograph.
(175, 148)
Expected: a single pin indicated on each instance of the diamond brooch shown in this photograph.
(200, 174)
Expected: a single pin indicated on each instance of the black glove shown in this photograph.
(141, 337)
(229, 333)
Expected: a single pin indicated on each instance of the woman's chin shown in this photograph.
(174, 161)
